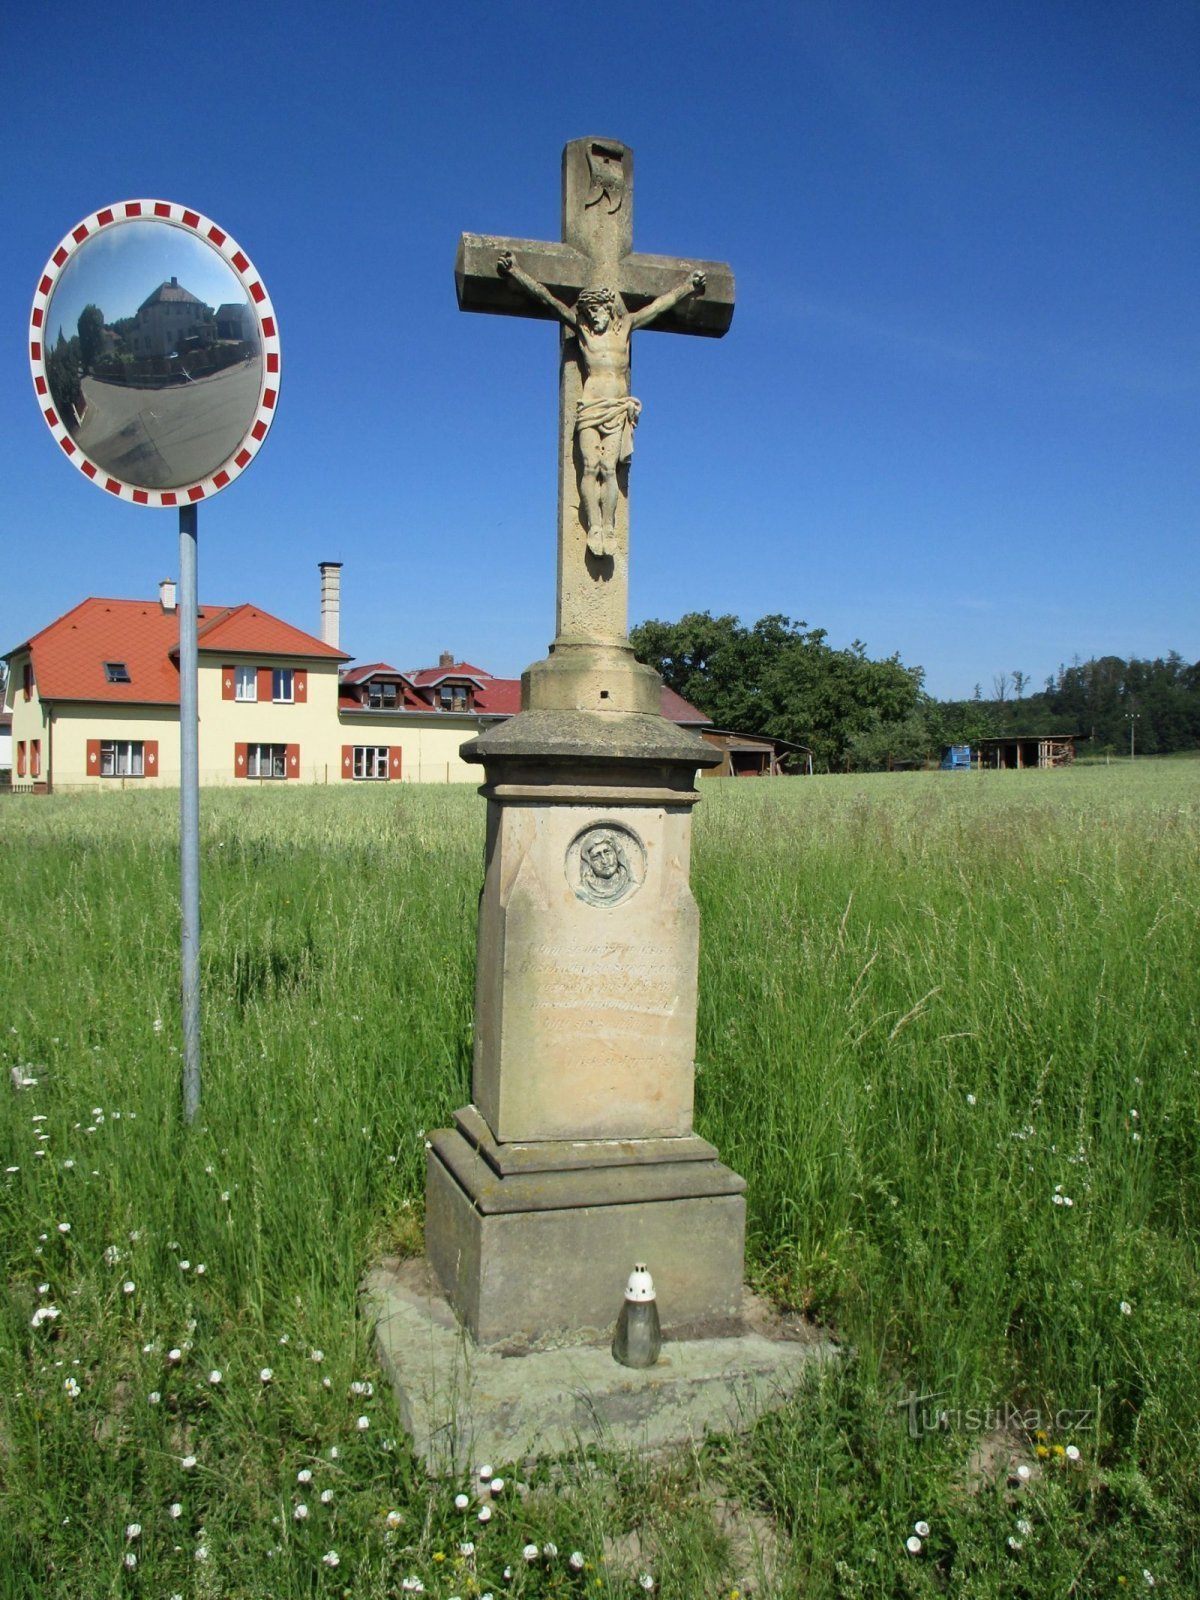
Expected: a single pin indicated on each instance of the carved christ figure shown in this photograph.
(607, 413)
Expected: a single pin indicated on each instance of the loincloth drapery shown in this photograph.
(611, 416)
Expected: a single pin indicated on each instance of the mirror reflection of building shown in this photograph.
(154, 358)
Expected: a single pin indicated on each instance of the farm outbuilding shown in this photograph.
(751, 755)
(1018, 751)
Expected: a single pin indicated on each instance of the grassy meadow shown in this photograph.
(949, 1031)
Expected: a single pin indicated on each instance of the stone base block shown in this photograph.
(540, 1258)
(461, 1405)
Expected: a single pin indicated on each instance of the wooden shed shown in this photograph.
(752, 755)
(1018, 751)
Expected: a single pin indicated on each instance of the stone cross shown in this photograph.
(599, 290)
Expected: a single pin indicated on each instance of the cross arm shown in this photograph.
(481, 287)
(641, 278)
(645, 277)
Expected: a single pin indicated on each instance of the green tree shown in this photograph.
(779, 678)
(91, 337)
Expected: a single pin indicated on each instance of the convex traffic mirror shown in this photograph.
(155, 353)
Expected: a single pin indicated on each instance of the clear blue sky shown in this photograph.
(956, 414)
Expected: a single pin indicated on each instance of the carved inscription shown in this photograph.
(603, 976)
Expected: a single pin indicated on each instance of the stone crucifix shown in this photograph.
(599, 290)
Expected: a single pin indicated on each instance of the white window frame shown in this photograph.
(271, 756)
(122, 758)
(371, 762)
(245, 683)
(383, 696)
(283, 685)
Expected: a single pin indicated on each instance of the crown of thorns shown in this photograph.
(598, 297)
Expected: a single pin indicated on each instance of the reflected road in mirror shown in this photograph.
(153, 355)
(169, 436)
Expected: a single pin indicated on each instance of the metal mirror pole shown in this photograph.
(189, 809)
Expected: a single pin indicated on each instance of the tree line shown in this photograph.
(781, 679)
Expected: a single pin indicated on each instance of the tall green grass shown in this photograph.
(934, 1009)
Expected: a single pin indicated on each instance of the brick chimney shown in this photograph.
(445, 660)
(166, 594)
(331, 602)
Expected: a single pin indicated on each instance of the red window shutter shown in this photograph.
(300, 687)
(347, 761)
(264, 683)
(241, 764)
(293, 760)
(150, 758)
(394, 761)
(35, 758)
(227, 685)
(93, 758)
(20, 758)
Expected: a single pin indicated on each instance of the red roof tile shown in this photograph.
(676, 709)
(427, 677)
(380, 668)
(499, 697)
(246, 629)
(69, 655)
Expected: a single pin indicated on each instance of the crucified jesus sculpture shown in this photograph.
(607, 413)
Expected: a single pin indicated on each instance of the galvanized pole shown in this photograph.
(189, 810)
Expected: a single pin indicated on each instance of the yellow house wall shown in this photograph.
(312, 725)
(29, 719)
(429, 742)
(75, 723)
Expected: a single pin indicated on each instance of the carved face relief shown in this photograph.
(605, 864)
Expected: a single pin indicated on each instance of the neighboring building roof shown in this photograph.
(429, 677)
(376, 669)
(676, 709)
(249, 630)
(170, 291)
(1027, 738)
(499, 697)
(69, 655)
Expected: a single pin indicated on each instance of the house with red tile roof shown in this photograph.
(95, 696)
(94, 699)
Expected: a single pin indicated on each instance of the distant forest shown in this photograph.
(1152, 707)
(781, 678)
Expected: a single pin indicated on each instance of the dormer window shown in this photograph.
(454, 697)
(381, 696)
(116, 672)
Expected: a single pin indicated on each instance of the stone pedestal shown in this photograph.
(578, 1157)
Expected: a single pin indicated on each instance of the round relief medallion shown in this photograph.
(606, 863)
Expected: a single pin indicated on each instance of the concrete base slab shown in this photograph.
(462, 1405)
